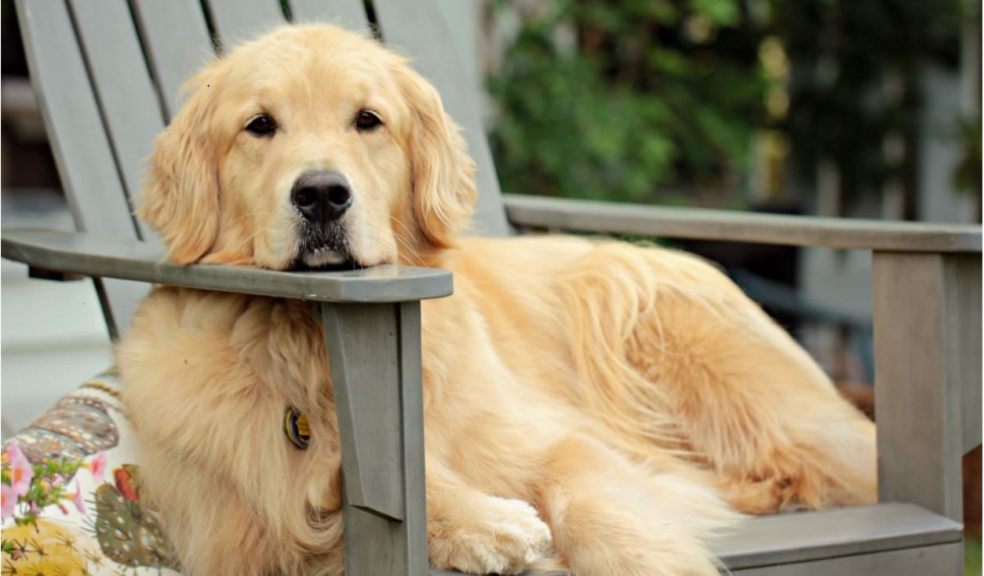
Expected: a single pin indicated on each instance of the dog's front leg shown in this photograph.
(612, 516)
(474, 532)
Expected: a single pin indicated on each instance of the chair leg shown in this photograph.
(374, 355)
(927, 321)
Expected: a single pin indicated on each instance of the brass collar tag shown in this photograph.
(296, 428)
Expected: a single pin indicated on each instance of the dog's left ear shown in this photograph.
(444, 191)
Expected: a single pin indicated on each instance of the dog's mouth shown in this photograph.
(315, 264)
(324, 248)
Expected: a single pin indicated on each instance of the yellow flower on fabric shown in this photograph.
(50, 548)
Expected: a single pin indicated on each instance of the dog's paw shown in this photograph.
(504, 537)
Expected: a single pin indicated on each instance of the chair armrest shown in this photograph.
(701, 224)
(85, 254)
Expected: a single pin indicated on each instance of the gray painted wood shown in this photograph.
(412, 418)
(963, 333)
(419, 30)
(129, 103)
(365, 377)
(374, 354)
(238, 21)
(82, 151)
(350, 14)
(93, 256)
(800, 537)
(605, 217)
(945, 560)
(927, 324)
(176, 40)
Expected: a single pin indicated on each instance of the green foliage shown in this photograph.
(967, 177)
(972, 556)
(647, 95)
(627, 100)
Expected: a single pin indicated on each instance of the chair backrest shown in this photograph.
(108, 76)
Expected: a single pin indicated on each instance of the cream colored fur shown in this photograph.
(594, 405)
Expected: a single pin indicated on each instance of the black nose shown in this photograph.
(321, 196)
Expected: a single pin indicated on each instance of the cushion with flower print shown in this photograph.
(71, 494)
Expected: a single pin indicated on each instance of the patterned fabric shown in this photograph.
(117, 534)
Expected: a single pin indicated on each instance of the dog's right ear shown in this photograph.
(180, 195)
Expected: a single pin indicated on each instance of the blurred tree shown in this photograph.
(633, 99)
(625, 100)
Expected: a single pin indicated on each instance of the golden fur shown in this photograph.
(594, 405)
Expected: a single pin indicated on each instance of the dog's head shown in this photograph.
(311, 147)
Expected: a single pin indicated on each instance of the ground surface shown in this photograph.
(52, 334)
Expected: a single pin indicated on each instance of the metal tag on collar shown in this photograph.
(296, 428)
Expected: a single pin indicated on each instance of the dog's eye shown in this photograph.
(261, 125)
(367, 120)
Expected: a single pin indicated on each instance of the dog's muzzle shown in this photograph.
(322, 198)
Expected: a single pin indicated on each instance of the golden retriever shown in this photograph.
(594, 405)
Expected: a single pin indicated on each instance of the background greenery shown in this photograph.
(671, 100)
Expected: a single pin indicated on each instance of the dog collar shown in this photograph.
(296, 428)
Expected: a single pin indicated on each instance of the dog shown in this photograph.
(590, 405)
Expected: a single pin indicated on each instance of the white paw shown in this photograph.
(506, 539)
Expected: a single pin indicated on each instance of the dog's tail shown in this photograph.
(612, 295)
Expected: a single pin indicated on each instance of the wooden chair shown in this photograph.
(108, 73)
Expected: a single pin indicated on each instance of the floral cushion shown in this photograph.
(109, 530)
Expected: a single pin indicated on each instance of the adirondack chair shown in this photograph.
(108, 73)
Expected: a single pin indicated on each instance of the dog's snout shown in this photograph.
(321, 196)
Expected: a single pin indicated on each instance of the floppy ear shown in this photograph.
(180, 195)
(443, 176)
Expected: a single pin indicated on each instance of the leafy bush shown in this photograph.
(644, 97)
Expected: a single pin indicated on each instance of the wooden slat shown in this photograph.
(78, 139)
(175, 37)
(946, 559)
(92, 256)
(238, 21)
(412, 430)
(350, 14)
(800, 537)
(365, 377)
(68, 104)
(963, 333)
(418, 29)
(926, 313)
(129, 103)
(700, 224)
(374, 354)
